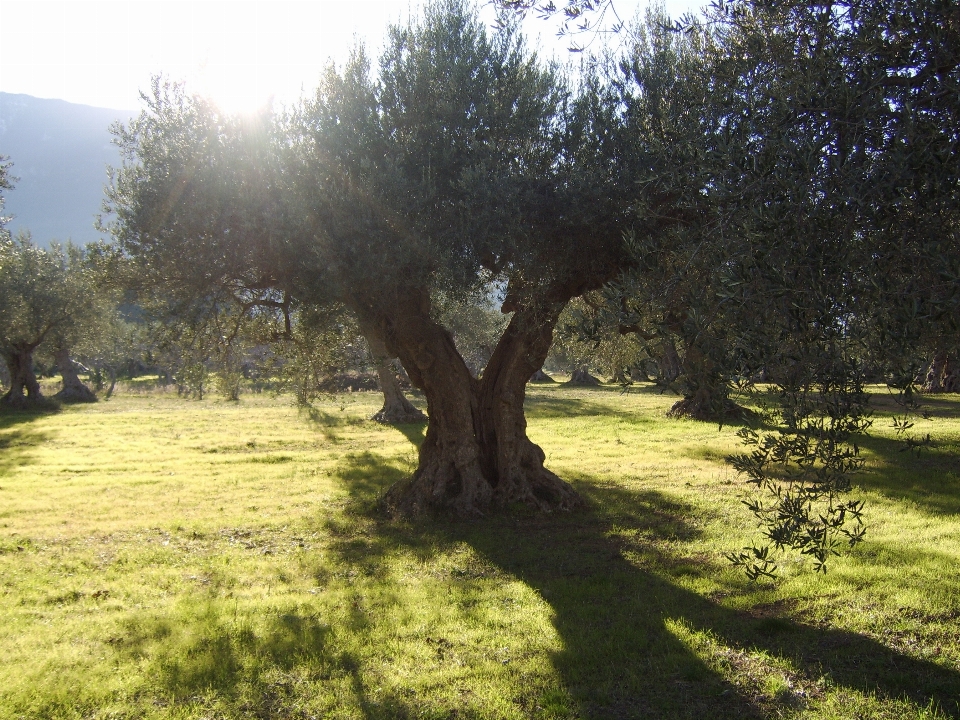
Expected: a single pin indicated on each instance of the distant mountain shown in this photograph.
(60, 151)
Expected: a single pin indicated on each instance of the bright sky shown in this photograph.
(240, 53)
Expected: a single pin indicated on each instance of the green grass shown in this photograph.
(163, 558)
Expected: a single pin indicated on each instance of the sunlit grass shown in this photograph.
(169, 558)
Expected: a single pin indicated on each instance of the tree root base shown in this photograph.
(75, 395)
(400, 416)
(582, 378)
(418, 497)
(699, 410)
(947, 384)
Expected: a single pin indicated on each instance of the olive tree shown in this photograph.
(443, 172)
(46, 297)
(453, 164)
(813, 153)
(6, 183)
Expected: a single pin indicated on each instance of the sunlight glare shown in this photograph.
(242, 55)
(234, 88)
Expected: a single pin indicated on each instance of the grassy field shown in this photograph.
(165, 558)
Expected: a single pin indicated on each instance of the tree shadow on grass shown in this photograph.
(558, 406)
(414, 432)
(904, 563)
(930, 480)
(323, 421)
(203, 650)
(633, 641)
(937, 406)
(637, 643)
(544, 406)
(369, 474)
(327, 422)
(18, 439)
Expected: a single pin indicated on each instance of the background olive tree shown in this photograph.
(48, 297)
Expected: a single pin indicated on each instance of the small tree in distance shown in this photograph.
(45, 298)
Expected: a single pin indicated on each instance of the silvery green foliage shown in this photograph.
(845, 116)
(804, 470)
(802, 159)
(46, 294)
(6, 183)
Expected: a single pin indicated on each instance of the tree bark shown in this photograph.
(933, 382)
(73, 391)
(396, 408)
(705, 392)
(951, 375)
(509, 457)
(449, 475)
(581, 376)
(476, 455)
(943, 376)
(24, 391)
(619, 376)
(669, 363)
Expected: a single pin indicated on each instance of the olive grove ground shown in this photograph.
(165, 558)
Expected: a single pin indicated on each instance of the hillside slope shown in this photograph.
(60, 151)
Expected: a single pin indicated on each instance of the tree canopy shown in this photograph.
(773, 187)
(47, 296)
(448, 169)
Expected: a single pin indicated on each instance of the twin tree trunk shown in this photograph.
(24, 389)
(476, 455)
(73, 391)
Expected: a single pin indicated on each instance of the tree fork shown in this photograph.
(476, 455)
(449, 475)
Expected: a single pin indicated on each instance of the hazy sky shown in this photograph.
(241, 53)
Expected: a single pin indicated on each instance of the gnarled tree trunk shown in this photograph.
(73, 391)
(581, 376)
(510, 458)
(476, 455)
(112, 374)
(705, 391)
(396, 408)
(943, 376)
(24, 389)
(449, 475)
(668, 364)
(951, 375)
(619, 376)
